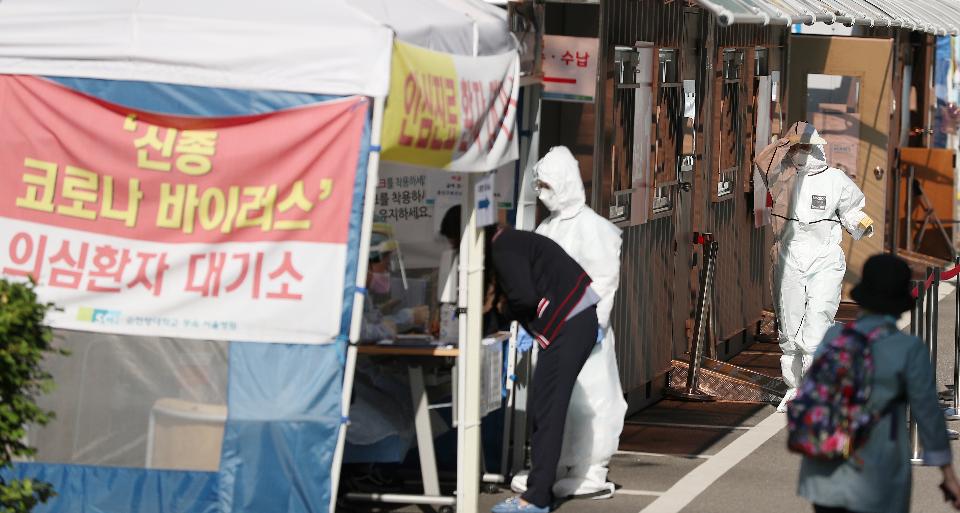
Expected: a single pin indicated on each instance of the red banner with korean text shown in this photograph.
(230, 228)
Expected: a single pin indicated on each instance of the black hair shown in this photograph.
(450, 225)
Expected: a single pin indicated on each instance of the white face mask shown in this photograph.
(550, 199)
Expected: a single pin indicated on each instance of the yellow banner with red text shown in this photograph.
(449, 111)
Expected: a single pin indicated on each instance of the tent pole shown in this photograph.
(373, 167)
(529, 155)
(469, 358)
(515, 425)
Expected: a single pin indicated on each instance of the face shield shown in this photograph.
(385, 249)
(806, 148)
(799, 154)
(807, 158)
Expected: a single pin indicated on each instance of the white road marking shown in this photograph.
(645, 493)
(664, 455)
(682, 425)
(684, 491)
(699, 479)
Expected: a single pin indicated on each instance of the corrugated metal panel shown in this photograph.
(658, 284)
(742, 266)
(935, 16)
(651, 308)
(646, 324)
(742, 280)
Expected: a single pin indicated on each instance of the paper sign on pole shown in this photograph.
(485, 205)
(690, 99)
(775, 85)
(764, 103)
(450, 111)
(210, 228)
(762, 201)
(415, 200)
(570, 68)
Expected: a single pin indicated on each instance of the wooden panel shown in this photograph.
(934, 170)
(869, 61)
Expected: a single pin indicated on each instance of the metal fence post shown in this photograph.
(701, 322)
(913, 310)
(909, 215)
(935, 341)
(934, 305)
(928, 309)
(895, 229)
(918, 319)
(954, 413)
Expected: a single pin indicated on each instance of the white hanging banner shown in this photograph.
(450, 111)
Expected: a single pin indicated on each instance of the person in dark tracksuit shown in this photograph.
(549, 294)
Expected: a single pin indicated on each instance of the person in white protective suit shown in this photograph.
(811, 203)
(597, 407)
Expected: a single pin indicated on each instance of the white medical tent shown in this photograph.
(280, 404)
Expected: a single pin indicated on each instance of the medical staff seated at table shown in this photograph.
(378, 326)
(381, 411)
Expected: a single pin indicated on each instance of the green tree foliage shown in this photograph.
(24, 341)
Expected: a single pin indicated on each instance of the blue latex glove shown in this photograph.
(600, 334)
(524, 340)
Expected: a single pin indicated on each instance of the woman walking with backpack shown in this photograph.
(874, 477)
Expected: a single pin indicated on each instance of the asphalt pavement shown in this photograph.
(725, 457)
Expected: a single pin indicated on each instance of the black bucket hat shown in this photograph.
(885, 285)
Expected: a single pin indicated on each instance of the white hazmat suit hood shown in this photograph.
(564, 196)
(597, 408)
(812, 204)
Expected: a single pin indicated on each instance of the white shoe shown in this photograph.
(585, 480)
(791, 393)
(579, 486)
(593, 483)
(519, 483)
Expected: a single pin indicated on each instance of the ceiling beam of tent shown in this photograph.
(938, 17)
